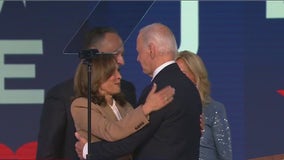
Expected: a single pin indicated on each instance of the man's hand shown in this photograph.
(80, 145)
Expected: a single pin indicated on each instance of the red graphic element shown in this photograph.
(25, 152)
(281, 92)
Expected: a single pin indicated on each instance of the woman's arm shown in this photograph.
(111, 130)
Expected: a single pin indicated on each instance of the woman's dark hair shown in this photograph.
(103, 67)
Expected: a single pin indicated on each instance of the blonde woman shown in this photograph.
(215, 143)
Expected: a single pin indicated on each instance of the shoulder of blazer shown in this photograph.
(63, 90)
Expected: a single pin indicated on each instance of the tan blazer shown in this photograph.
(104, 123)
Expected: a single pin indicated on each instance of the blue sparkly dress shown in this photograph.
(215, 142)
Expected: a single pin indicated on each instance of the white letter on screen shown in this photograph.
(274, 9)
(189, 26)
(19, 96)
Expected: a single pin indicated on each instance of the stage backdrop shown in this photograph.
(242, 44)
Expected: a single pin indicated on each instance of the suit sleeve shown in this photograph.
(52, 124)
(221, 133)
(103, 150)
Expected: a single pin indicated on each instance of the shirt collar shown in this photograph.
(161, 67)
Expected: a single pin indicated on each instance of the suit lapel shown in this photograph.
(144, 94)
(170, 68)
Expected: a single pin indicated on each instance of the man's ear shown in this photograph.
(152, 50)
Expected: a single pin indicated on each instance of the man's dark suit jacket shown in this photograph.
(56, 138)
(173, 132)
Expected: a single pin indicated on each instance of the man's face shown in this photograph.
(144, 57)
(112, 43)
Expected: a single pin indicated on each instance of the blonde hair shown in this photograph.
(196, 65)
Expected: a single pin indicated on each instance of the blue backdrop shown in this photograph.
(241, 44)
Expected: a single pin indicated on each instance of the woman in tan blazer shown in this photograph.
(112, 117)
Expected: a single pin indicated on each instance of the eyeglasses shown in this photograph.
(118, 50)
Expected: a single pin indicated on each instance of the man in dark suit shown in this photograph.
(56, 138)
(174, 131)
